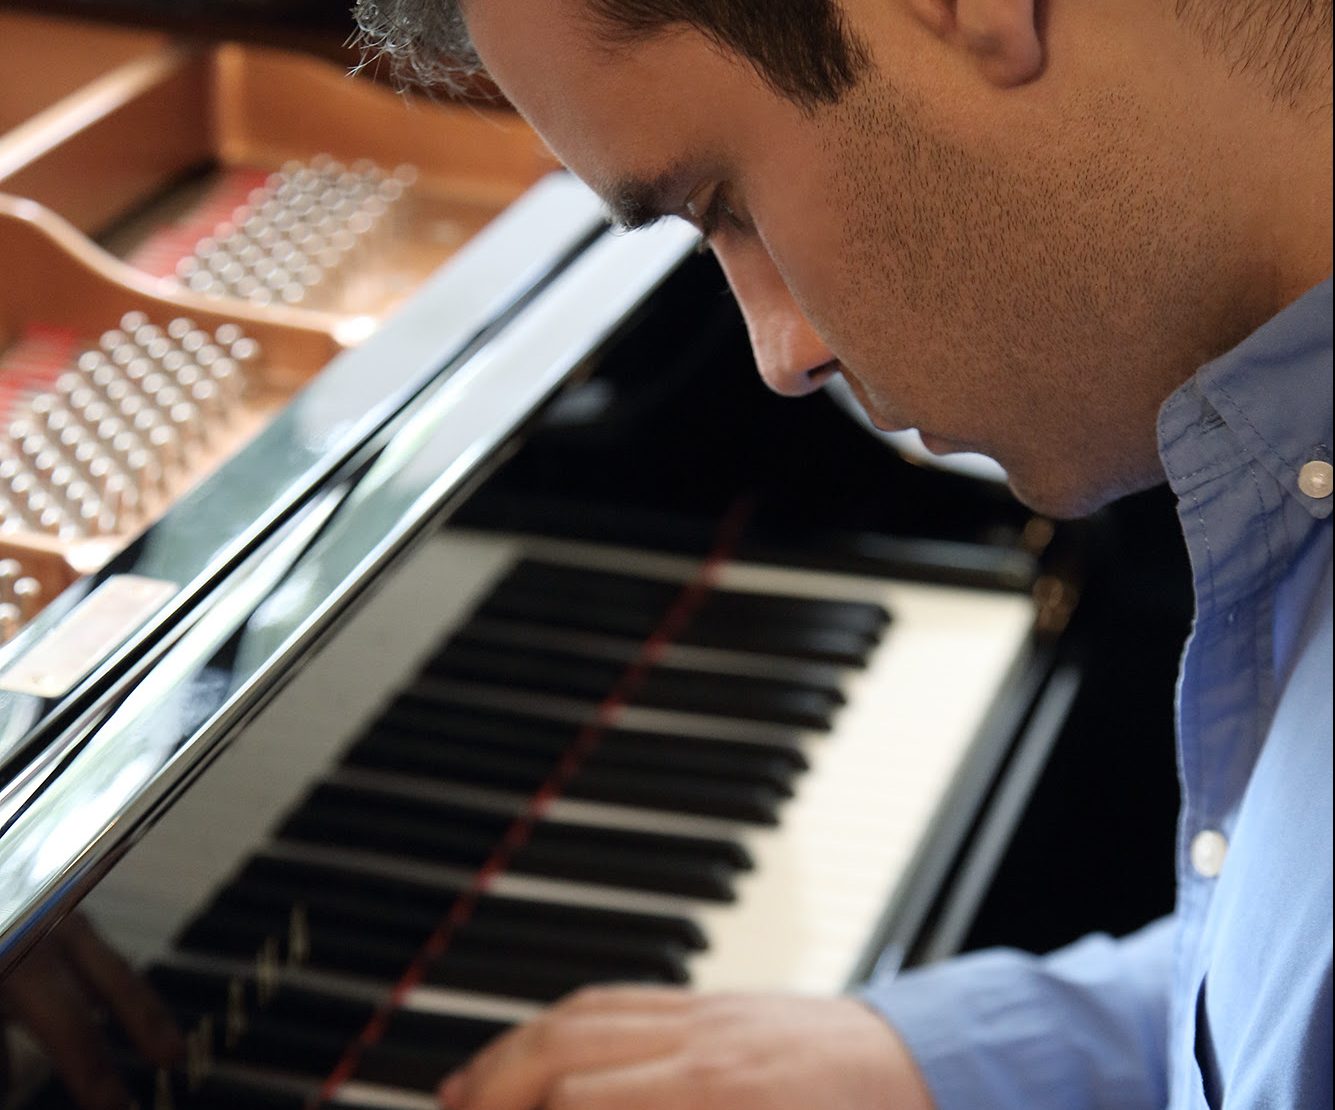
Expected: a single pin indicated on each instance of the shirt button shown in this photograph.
(1315, 479)
(1208, 850)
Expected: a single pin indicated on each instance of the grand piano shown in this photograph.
(412, 608)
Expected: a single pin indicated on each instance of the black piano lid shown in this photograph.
(268, 552)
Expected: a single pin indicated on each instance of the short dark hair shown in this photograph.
(801, 48)
(1285, 44)
(805, 50)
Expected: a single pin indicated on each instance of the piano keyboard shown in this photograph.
(747, 806)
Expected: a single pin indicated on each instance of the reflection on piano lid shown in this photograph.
(726, 775)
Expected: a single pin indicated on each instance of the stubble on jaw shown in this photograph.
(1040, 307)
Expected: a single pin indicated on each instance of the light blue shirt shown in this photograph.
(1228, 1002)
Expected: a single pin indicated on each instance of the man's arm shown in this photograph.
(1083, 1028)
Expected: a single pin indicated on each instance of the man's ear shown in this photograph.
(1000, 36)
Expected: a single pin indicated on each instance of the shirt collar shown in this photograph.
(1272, 391)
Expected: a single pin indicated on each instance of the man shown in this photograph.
(1022, 233)
(1092, 240)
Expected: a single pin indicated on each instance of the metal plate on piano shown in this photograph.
(86, 635)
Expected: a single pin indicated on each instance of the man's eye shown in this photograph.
(717, 214)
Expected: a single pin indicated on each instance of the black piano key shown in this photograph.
(448, 835)
(223, 930)
(410, 1069)
(195, 991)
(301, 1045)
(424, 708)
(422, 1029)
(356, 817)
(270, 880)
(809, 704)
(419, 1049)
(567, 956)
(534, 577)
(229, 1093)
(715, 625)
(779, 701)
(715, 629)
(414, 1052)
(522, 958)
(464, 762)
(306, 1033)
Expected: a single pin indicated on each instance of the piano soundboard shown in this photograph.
(356, 791)
(153, 196)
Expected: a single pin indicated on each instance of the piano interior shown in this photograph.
(413, 608)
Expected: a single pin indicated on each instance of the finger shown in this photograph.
(655, 1085)
(53, 1008)
(112, 982)
(607, 998)
(627, 998)
(519, 1071)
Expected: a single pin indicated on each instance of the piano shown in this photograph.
(412, 609)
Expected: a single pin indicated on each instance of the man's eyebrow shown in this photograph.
(637, 202)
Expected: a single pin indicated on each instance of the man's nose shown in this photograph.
(791, 357)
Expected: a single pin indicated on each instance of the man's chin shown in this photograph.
(1053, 500)
(1069, 500)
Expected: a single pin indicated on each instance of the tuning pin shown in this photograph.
(143, 469)
(11, 467)
(11, 519)
(226, 374)
(245, 351)
(227, 334)
(166, 447)
(11, 570)
(113, 340)
(118, 501)
(179, 327)
(153, 384)
(208, 399)
(11, 620)
(96, 467)
(158, 347)
(86, 508)
(205, 284)
(184, 417)
(94, 414)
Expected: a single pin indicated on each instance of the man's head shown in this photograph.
(1016, 229)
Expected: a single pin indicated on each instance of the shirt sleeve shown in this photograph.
(1085, 1028)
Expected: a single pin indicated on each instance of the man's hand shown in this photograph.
(55, 993)
(618, 1048)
